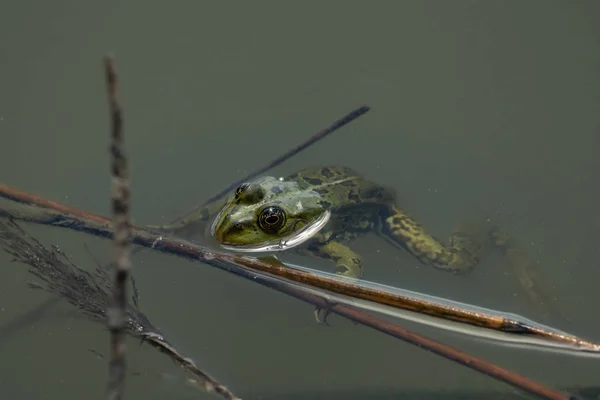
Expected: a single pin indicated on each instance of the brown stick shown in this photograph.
(116, 315)
(248, 267)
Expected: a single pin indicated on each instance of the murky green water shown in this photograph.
(479, 109)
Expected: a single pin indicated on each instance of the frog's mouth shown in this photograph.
(286, 242)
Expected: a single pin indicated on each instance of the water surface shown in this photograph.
(479, 110)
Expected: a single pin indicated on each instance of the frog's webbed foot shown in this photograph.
(521, 264)
(347, 262)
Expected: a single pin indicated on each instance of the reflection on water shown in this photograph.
(479, 110)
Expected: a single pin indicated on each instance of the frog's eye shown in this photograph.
(271, 219)
(240, 189)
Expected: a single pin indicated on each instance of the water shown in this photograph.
(479, 110)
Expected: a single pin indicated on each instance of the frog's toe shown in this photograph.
(351, 267)
(467, 250)
(321, 315)
(498, 237)
(467, 260)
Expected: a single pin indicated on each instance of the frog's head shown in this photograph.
(269, 214)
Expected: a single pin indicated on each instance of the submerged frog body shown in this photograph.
(269, 209)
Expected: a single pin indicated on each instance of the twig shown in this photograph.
(248, 268)
(292, 152)
(122, 237)
(91, 294)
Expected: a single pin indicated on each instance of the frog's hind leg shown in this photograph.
(464, 249)
(459, 255)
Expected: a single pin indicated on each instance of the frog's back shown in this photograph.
(342, 186)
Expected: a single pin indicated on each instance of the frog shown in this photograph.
(269, 209)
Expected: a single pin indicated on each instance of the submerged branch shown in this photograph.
(91, 294)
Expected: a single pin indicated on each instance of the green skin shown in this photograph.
(268, 209)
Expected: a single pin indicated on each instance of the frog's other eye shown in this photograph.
(249, 194)
(240, 189)
(271, 219)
